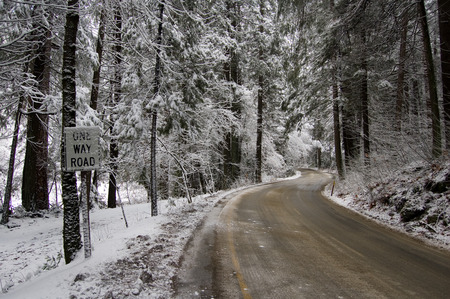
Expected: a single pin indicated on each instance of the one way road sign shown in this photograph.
(82, 149)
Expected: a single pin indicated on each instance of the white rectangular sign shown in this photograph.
(82, 148)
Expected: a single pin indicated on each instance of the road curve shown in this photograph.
(285, 240)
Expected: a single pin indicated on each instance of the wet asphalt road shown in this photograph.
(285, 240)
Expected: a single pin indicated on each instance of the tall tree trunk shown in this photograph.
(319, 157)
(435, 117)
(259, 130)
(12, 159)
(97, 70)
(71, 221)
(154, 114)
(34, 183)
(401, 73)
(233, 150)
(94, 97)
(350, 137)
(444, 29)
(112, 186)
(365, 104)
(114, 146)
(336, 112)
(261, 87)
(337, 130)
(350, 124)
(153, 176)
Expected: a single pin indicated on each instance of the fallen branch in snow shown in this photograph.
(183, 171)
(428, 226)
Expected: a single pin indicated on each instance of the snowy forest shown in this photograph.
(192, 97)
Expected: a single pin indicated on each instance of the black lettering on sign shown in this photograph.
(81, 136)
(81, 148)
(81, 151)
(82, 162)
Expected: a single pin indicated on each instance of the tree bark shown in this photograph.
(154, 114)
(350, 126)
(232, 150)
(114, 146)
(153, 177)
(365, 103)
(261, 87)
(94, 97)
(337, 130)
(259, 130)
(71, 221)
(401, 73)
(112, 186)
(35, 169)
(336, 112)
(444, 29)
(319, 157)
(97, 70)
(12, 159)
(435, 116)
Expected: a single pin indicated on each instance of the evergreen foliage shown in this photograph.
(196, 96)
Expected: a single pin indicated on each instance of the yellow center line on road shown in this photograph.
(237, 267)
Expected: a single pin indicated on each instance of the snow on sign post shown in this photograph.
(83, 154)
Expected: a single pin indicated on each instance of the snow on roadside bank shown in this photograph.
(414, 201)
(139, 261)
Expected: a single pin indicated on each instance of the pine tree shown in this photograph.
(71, 222)
(365, 102)
(336, 106)
(232, 143)
(432, 85)
(17, 84)
(92, 181)
(12, 157)
(401, 71)
(114, 143)
(34, 183)
(444, 33)
(261, 95)
(154, 112)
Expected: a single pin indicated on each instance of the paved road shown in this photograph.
(285, 240)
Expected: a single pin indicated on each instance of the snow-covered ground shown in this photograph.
(139, 261)
(414, 200)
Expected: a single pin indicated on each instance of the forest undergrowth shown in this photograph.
(414, 199)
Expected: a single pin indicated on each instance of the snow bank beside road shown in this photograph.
(139, 261)
(414, 200)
